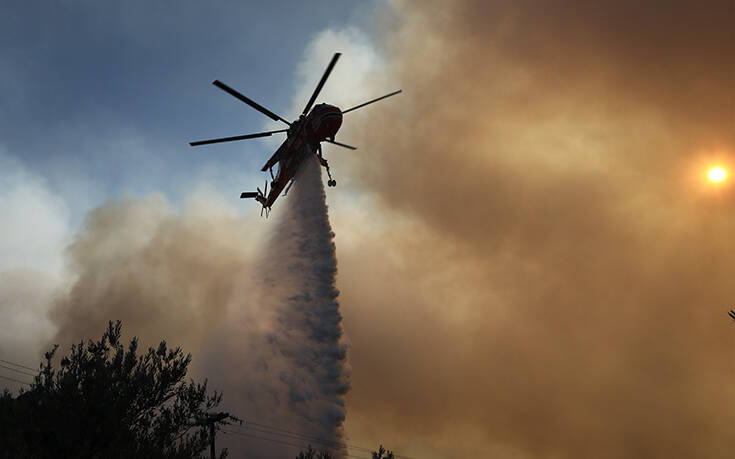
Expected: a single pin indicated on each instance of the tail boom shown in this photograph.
(253, 195)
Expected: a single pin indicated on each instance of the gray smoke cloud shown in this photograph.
(165, 274)
(33, 233)
(261, 318)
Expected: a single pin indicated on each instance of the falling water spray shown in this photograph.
(281, 348)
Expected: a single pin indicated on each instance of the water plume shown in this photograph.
(283, 332)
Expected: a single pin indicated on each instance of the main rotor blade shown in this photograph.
(370, 102)
(341, 144)
(321, 82)
(237, 137)
(248, 101)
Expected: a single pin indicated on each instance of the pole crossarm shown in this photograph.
(209, 420)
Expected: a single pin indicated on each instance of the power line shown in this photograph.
(264, 426)
(14, 380)
(279, 441)
(231, 432)
(289, 433)
(18, 365)
(17, 370)
(330, 443)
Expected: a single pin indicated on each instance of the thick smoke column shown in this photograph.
(585, 266)
(294, 375)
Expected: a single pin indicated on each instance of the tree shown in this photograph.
(106, 401)
(311, 453)
(379, 453)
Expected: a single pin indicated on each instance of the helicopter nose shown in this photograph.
(330, 123)
(333, 124)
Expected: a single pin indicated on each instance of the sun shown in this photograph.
(717, 174)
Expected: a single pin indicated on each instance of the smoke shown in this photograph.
(261, 319)
(165, 274)
(279, 352)
(33, 233)
(554, 272)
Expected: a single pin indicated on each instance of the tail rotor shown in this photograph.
(263, 199)
(260, 196)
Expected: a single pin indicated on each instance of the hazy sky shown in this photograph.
(530, 259)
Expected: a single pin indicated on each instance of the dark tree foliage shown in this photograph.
(311, 453)
(382, 453)
(106, 401)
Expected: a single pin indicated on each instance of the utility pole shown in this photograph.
(211, 443)
(209, 420)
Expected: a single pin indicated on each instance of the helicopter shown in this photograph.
(303, 138)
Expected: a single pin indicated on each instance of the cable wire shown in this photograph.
(227, 432)
(17, 370)
(14, 380)
(288, 433)
(18, 365)
(297, 436)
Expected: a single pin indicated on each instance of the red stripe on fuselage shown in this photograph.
(287, 169)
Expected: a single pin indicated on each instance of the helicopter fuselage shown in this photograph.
(303, 139)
